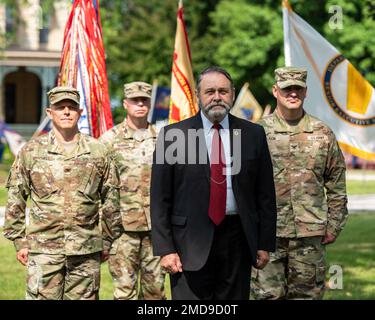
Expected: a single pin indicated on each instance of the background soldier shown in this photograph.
(66, 174)
(306, 160)
(132, 143)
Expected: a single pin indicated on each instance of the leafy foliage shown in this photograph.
(244, 36)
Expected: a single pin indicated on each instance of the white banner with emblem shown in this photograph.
(337, 93)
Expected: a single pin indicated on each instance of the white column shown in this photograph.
(2, 25)
(30, 14)
(59, 17)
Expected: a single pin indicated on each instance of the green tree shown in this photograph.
(139, 38)
(244, 36)
(248, 42)
(139, 41)
(247, 37)
(356, 39)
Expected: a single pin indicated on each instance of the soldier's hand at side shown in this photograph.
(104, 256)
(328, 238)
(262, 259)
(22, 255)
(172, 263)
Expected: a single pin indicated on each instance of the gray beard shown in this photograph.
(215, 116)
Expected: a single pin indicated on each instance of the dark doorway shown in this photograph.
(23, 95)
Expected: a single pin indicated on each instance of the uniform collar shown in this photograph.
(55, 147)
(280, 125)
(138, 135)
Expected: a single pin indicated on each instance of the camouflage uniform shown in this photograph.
(309, 174)
(63, 236)
(131, 255)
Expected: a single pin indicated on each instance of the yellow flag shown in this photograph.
(183, 103)
(246, 106)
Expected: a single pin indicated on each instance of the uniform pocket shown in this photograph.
(34, 277)
(320, 274)
(313, 152)
(42, 180)
(96, 281)
(92, 291)
(90, 276)
(90, 179)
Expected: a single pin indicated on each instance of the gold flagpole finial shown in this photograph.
(286, 4)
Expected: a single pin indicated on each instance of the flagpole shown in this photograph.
(286, 7)
(153, 100)
(287, 12)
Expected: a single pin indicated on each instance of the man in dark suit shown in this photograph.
(213, 208)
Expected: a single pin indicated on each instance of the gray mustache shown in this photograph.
(214, 104)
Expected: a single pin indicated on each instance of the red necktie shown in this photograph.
(218, 185)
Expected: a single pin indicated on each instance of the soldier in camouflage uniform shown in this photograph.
(309, 174)
(131, 144)
(66, 175)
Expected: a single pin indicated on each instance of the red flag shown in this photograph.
(183, 103)
(83, 66)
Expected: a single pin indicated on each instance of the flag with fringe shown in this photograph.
(83, 66)
(183, 102)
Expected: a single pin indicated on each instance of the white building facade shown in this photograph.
(30, 52)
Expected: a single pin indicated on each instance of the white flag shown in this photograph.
(337, 93)
(15, 140)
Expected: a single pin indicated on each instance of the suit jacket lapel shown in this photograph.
(234, 132)
(197, 124)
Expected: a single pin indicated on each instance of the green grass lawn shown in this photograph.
(354, 252)
(353, 187)
(360, 187)
(13, 275)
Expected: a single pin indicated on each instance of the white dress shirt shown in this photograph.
(231, 205)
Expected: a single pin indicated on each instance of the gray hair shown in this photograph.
(214, 69)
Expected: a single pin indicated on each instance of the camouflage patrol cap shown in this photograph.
(290, 76)
(58, 94)
(137, 89)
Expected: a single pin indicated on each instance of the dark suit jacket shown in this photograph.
(180, 192)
